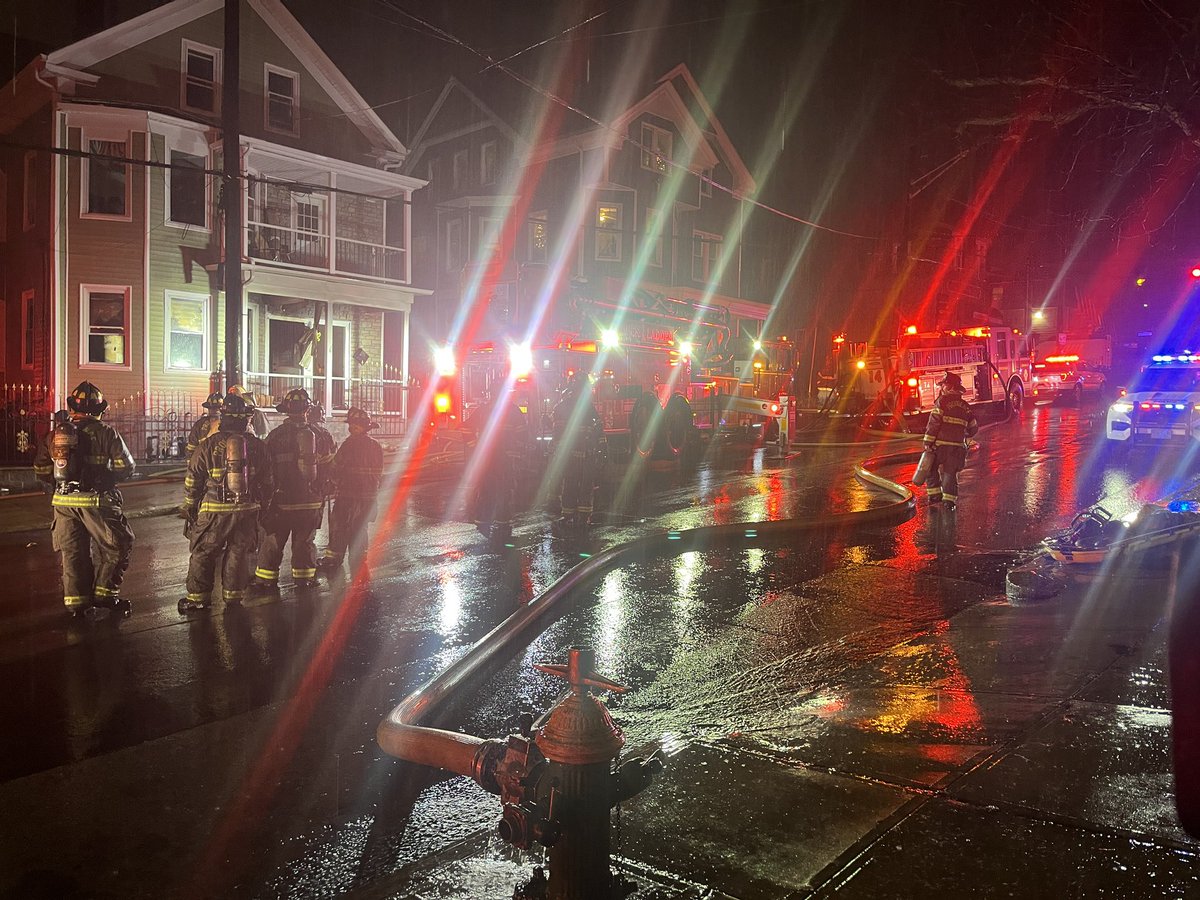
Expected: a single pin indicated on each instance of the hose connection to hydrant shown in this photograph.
(556, 784)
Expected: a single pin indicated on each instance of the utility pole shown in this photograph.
(231, 192)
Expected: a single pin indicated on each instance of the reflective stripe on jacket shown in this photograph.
(951, 422)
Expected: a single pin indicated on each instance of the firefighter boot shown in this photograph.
(192, 603)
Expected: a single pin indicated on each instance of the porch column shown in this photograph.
(404, 367)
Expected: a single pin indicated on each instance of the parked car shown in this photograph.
(1066, 376)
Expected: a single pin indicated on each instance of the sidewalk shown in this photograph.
(159, 496)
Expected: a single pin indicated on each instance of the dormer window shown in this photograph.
(282, 97)
(200, 69)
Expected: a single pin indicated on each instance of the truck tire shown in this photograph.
(1016, 395)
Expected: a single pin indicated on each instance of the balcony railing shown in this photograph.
(323, 252)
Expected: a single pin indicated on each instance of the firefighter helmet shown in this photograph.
(87, 400)
(213, 401)
(236, 406)
(361, 418)
(951, 381)
(295, 403)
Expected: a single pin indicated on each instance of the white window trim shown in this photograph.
(26, 296)
(647, 147)
(452, 223)
(205, 331)
(191, 226)
(483, 180)
(656, 242)
(268, 70)
(457, 184)
(85, 171)
(706, 186)
(215, 53)
(618, 231)
(85, 291)
(28, 200)
(709, 244)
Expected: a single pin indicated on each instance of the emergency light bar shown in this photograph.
(1062, 359)
(1186, 356)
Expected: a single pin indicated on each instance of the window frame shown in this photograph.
(458, 175)
(204, 49)
(85, 328)
(706, 186)
(85, 178)
(168, 191)
(169, 296)
(649, 150)
(493, 147)
(452, 225)
(706, 242)
(620, 248)
(28, 191)
(28, 309)
(268, 71)
(656, 258)
(532, 254)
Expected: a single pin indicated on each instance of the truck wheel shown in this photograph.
(1016, 395)
(674, 438)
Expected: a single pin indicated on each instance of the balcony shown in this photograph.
(318, 251)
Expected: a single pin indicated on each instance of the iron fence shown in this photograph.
(155, 424)
(25, 420)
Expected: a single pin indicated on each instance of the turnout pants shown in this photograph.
(578, 486)
(230, 539)
(948, 461)
(73, 529)
(495, 498)
(348, 520)
(280, 524)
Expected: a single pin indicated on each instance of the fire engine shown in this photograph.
(899, 377)
(659, 367)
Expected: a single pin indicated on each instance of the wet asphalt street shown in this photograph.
(807, 695)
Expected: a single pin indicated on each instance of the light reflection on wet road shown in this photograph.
(743, 645)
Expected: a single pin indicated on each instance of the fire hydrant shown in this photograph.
(557, 784)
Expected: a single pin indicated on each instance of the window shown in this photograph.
(539, 238)
(186, 197)
(458, 171)
(489, 238)
(105, 326)
(29, 191)
(487, 163)
(654, 235)
(200, 68)
(281, 99)
(187, 330)
(107, 182)
(454, 246)
(28, 328)
(704, 254)
(656, 148)
(706, 182)
(608, 232)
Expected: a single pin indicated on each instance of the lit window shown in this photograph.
(186, 179)
(201, 73)
(539, 239)
(487, 163)
(281, 99)
(608, 232)
(106, 326)
(656, 148)
(458, 171)
(107, 180)
(704, 254)
(187, 326)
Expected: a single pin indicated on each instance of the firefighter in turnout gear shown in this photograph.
(502, 435)
(357, 473)
(206, 424)
(578, 439)
(951, 422)
(84, 459)
(300, 461)
(227, 484)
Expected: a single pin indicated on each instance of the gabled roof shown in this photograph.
(425, 131)
(147, 26)
(741, 175)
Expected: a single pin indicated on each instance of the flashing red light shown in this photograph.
(911, 329)
(1123, 392)
(441, 403)
(912, 382)
(774, 409)
(1062, 359)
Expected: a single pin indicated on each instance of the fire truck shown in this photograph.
(660, 368)
(900, 377)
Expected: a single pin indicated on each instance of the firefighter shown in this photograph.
(578, 437)
(258, 421)
(502, 435)
(84, 459)
(300, 473)
(357, 472)
(951, 422)
(205, 424)
(227, 484)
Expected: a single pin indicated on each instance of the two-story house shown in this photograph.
(111, 233)
(650, 200)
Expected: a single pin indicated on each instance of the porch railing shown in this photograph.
(383, 398)
(318, 250)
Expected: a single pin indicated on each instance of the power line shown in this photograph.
(554, 98)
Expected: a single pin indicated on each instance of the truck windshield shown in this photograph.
(1179, 378)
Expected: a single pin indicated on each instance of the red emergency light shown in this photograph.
(1062, 359)
(912, 382)
(441, 403)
